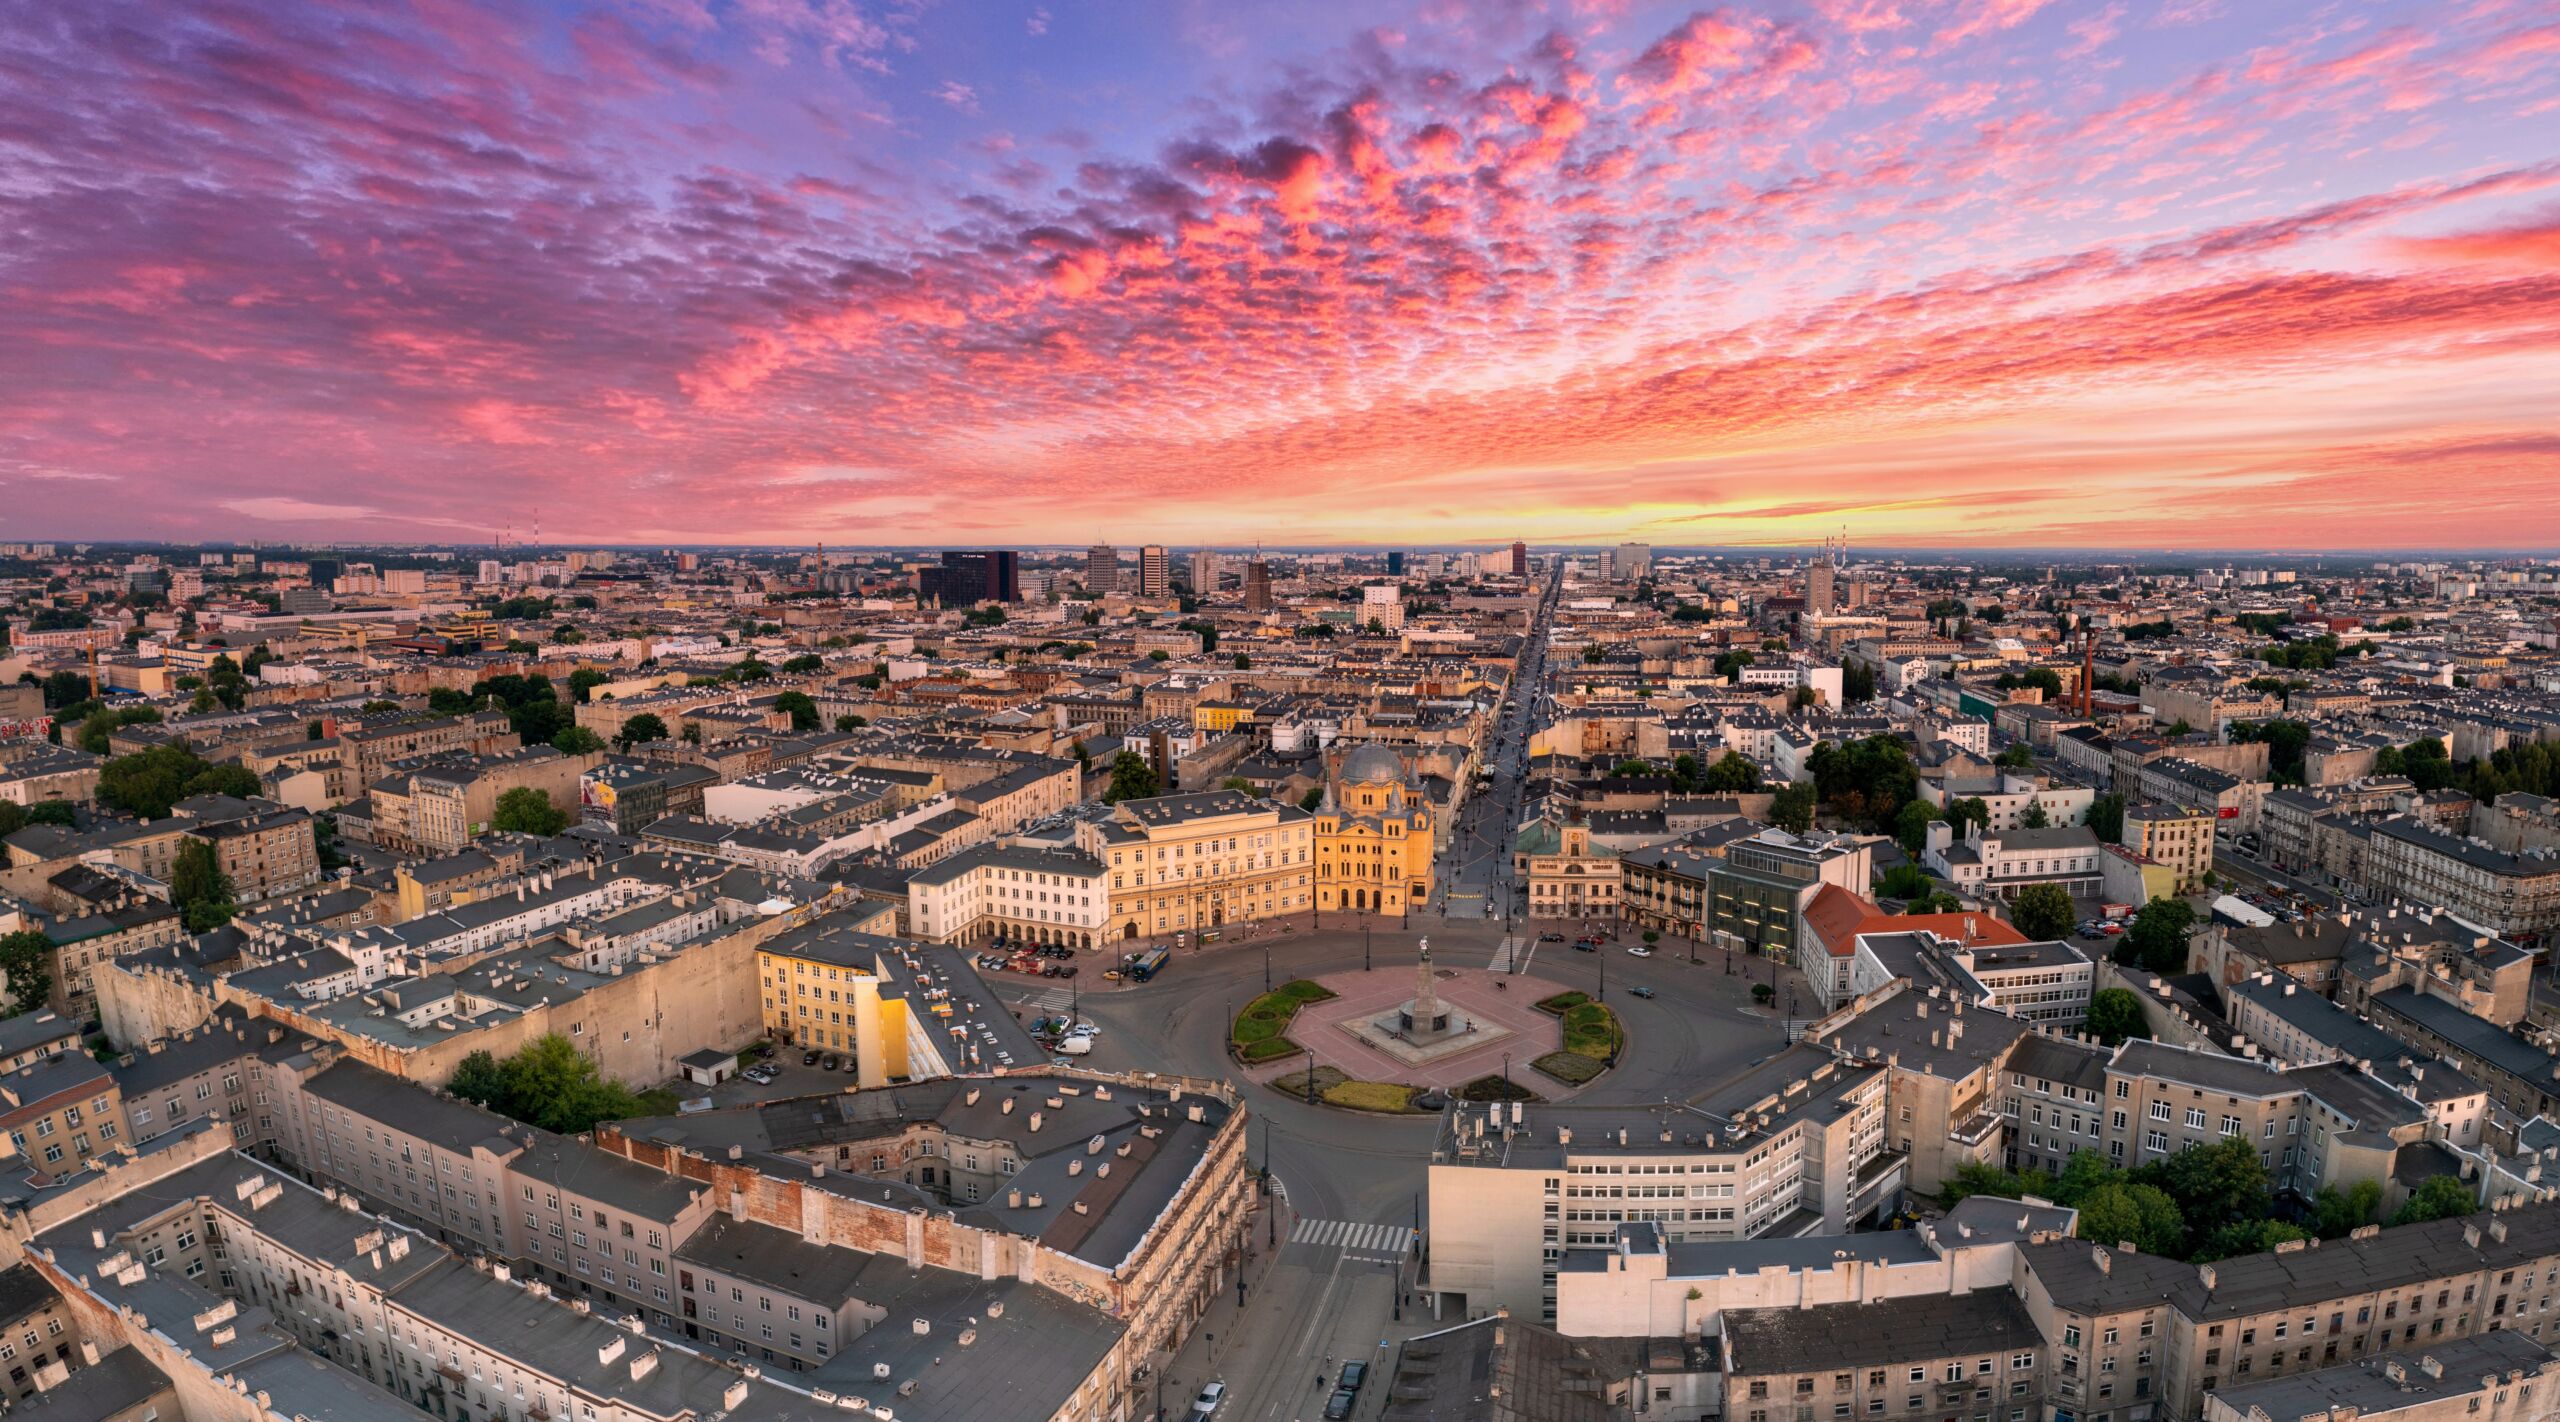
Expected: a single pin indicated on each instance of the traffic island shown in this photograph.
(1387, 1039)
(1260, 1033)
(1593, 1037)
(1385, 1098)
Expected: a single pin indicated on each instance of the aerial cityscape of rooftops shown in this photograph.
(1500, 711)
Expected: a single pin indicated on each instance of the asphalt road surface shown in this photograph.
(1330, 1273)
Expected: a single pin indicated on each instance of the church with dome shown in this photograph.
(1374, 837)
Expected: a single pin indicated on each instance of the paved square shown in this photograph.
(1326, 1028)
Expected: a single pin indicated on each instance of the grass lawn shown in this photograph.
(1493, 1088)
(1562, 1003)
(1389, 1096)
(1592, 1030)
(1295, 1083)
(1261, 1032)
(1571, 1068)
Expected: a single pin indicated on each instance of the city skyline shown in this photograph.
(2013, 275)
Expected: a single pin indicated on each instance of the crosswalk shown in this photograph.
(1354, 1239)
(1046, 999)
(1502, 956)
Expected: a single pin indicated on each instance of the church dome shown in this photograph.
(1372, 765)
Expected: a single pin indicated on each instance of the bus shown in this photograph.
(1143, 966)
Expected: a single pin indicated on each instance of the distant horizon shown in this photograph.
(1857, 552)
(1999, 276)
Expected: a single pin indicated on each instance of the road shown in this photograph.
(1475, 868)
(1331, 1263)
(1328, 1270)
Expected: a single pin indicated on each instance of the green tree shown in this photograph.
(2114, 1015)
(1911, 827)
(802, 711)
(577, 740)
(199, 888)
(479, 1078)
(96, 727)
(527, 810)
(2336, 1214)
(2015, 756)
(1239, 784)
(2442, 1197)
(52, 812)
(850, 723)
(445, 701)
(1791, 809)
(1968, 810)
(584, 681)
(2224, 1181)
(1978, 1178)
(26, 964)
(804, 665)
(2246, 1237)
(377, 706)
(550, 1084)
(1311, 799)
(644, 727)
(2034, 816)
(1733, 773)
(1243, 662)
(2106, 816)
(1905, 881)
(2081, 1176)
(2141, 1215)
(2042, 912)
(2157, 941)
(1131, 779)
(13, 818)
(1857, 683)
(1159, 655)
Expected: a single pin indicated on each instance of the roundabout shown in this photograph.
(1405, 1040)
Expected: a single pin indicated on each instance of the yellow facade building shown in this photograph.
(1373, 836)
(1195, 863)
(822, 989)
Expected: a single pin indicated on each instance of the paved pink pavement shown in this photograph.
(1471, 991)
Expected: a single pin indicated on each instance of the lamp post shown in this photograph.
(1266, 967)
(1364, 946)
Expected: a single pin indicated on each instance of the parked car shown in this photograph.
(827, 1062)
(1354, 1373)
(1638, 950)
(1641, 991)
(1208, 1400)
(808, 1059)
(1338, 1406)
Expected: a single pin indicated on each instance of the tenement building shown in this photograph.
(1196, 862)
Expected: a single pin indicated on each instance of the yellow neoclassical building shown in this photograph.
(1373, 836)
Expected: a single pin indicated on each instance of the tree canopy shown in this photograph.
(2114, 1015)
(547, 1083)
(26, 963)
(1131, 779)
(2157, 941)
(146, 783)
(2042, 912)
(199, 888)
(527, 810)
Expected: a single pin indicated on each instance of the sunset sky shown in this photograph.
(2189, 273)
